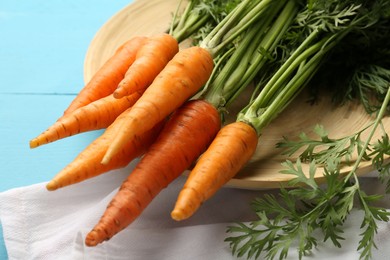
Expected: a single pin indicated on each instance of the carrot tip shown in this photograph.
(51, 186)
(91, 240)
(118, 94)
(33, 143)
(112, 150)
(178, 215)
(106, 159)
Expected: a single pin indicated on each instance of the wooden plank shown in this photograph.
(22, 117)
(43, 43)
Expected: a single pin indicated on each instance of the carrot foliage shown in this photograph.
(324, 35)
(296, 214)
(198, 18)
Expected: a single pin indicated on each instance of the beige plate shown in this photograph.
(149, 17)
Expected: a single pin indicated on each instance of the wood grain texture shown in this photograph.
(263, 171)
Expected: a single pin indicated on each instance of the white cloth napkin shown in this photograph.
(38, 224)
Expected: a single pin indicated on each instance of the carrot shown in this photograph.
(233, 146)
(183, 76)
(150, 60)
(96, 115)
(184, 137)
(107, 78)
(87, 164)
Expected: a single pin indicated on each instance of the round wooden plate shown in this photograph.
(153, 16)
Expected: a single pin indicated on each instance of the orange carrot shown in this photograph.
(107, 78)
(96, 115)
(233, 146)
(150, 60)
(87, 164)
(184, 137)
(183, 76)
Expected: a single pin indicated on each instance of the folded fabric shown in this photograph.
(39, 224)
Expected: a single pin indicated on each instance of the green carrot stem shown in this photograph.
(193, 24)
(250, 55)
(282, 74)
(235, 66)
(185, 15)
(378, 119)
(283, 99)
(235, 23)
(244, 23)
(269, 42)
(288, 81)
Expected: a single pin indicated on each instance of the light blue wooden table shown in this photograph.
(42, 50)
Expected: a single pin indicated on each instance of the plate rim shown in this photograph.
(239, 181)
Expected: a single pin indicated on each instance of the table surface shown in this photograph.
(42, 50)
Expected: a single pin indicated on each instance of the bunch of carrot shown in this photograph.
(144, 98)
(155, 85)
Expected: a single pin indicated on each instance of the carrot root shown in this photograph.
(183, 76)
(106, 79)
(184, 137)
(233, 146)
(96, 115)
(151, 59)
(87, 164)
